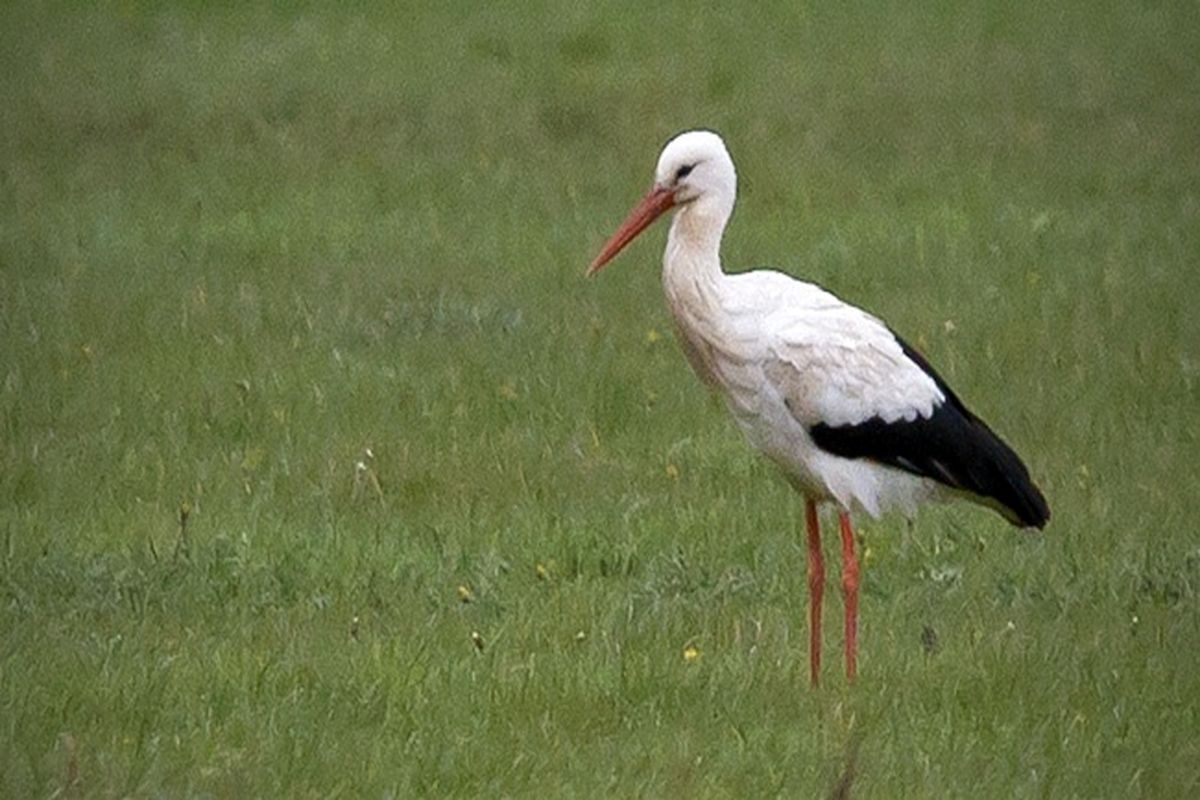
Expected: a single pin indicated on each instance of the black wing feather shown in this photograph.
(952, 446)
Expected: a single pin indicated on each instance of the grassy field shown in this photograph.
(302, 389)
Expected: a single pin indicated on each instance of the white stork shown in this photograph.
(848, 411)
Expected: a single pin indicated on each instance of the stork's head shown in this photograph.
(694, 171)
(694, 165)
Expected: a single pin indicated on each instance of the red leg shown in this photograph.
(816, 584)
(850, 592)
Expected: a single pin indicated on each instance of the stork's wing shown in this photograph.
(837, 365)
(864, 393)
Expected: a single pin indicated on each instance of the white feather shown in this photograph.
(836, 364)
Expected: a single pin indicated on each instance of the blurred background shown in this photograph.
(324, 471)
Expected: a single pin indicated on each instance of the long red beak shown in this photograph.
(651, 207)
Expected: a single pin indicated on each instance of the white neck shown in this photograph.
(695, 286)
(692, 262)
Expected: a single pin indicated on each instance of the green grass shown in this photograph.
(241, 247)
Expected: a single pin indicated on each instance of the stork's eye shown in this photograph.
(684, 171)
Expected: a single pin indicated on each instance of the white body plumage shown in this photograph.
(785, 355)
